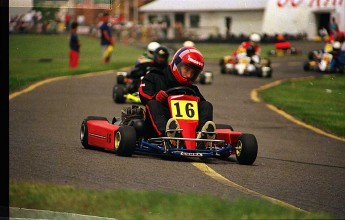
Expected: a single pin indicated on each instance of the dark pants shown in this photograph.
(158, 115)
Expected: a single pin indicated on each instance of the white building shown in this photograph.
(202, 18)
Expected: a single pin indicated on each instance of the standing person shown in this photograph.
(323, 32)
(183, 70)
(67, 21)
(107, 41)
(333, 27)
(74, 45)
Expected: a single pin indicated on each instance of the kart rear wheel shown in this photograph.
(306, 66)
(246, 149)
(119, 94)
(125, 141)
(84, 131)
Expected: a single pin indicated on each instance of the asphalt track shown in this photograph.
(296, 166)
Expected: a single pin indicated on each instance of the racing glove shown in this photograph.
(161, 96)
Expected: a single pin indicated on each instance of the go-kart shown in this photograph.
(126, 89)
(283, 49)
(284, 52)
(128, 134)
(322, 62)
(205, 77)
(246, 66)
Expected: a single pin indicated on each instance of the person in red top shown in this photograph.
(74, 45)
(254, 40)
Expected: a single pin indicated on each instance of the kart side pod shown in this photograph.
(100, 133)
(230, 137)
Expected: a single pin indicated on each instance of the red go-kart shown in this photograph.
(127, 135)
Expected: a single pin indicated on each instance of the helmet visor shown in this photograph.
(188, 72)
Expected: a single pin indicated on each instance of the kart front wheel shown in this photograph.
(125, 141)
(246, 149)
(119, 94)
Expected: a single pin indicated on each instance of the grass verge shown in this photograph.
(319, 102)
(37, 57)
(125, 204)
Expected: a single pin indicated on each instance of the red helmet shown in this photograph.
(190, 57)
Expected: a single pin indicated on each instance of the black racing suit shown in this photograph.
(140, 70)
(158, 113)
(136, 73)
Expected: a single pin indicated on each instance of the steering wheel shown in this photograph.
(179, 90)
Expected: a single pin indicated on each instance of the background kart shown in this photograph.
(128, 135)
(284, 52)
(283, 49)
(246, 66)
(320, 61)
(205, 77)
(126, 89)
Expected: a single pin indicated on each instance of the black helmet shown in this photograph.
(250, 51)
(161, 56)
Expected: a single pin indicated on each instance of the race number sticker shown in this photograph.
(187, 110)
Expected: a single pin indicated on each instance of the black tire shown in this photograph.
(222, 69)
(247, 149)
(259, 72)
(202, 79)
(119, 94)
(125, 141)
(120, 79)
(269, 74)
(306, 66)
(84, 131)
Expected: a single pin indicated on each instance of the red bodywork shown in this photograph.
(101, 134)
(282, 45)
(189, 126)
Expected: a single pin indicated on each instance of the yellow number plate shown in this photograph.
(187, 110)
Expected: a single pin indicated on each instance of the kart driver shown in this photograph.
(254, 40)
(183, 70)
(159, 61)
(338, 58)
(148, 55)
